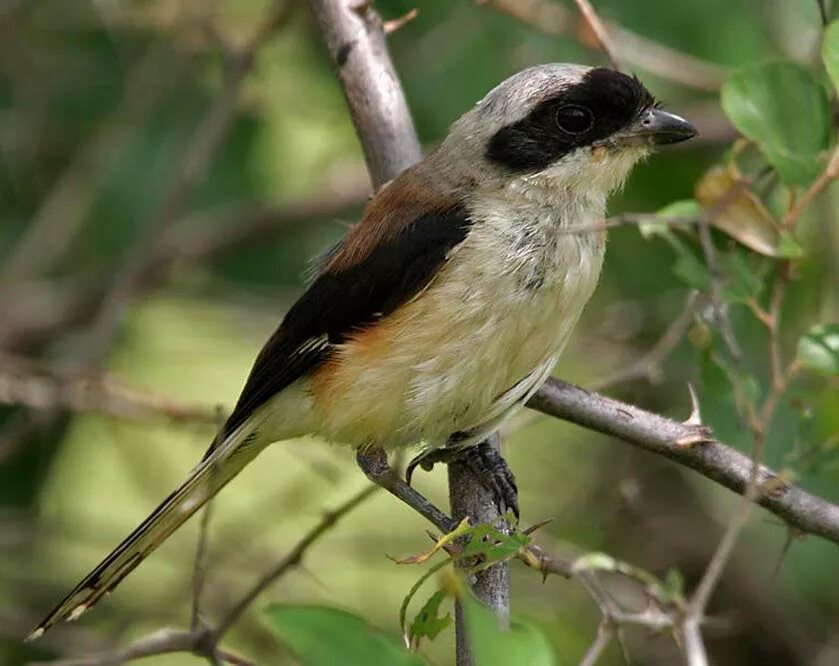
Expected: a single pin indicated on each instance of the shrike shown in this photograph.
(446, 307)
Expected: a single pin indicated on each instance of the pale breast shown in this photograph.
(499, 310)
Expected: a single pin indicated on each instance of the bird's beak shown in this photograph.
(657, 127)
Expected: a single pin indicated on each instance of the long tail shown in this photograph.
(219, 466)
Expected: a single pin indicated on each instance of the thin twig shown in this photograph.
(631, 48)
(46, 390)
(163, 641)
(599, 30)
(759, 421)
(199, 567)
(702, 595)
(64, 210)
(203, 641)
(205, 142)
(718, 305)
(827, 176)
(649, 365)
(605, 633)
(293, 558)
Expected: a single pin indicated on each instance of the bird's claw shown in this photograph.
(485, 463)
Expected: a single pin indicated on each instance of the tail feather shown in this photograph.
(222, 463)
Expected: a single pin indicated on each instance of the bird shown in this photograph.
(444, 309)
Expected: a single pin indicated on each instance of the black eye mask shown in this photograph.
(604, 102)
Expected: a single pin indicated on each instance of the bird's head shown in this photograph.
(562, 128)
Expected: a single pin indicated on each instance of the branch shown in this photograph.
(355, 39)
(492, 585)
(45, 390)
(64, 211)
(627, 46)
(686, 445)
(204, 143)
(203, 641)
(596, 25)
(294, 557)
(649, 365)
(830, 174)
(162, 641)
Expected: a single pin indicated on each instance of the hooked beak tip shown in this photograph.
(662, 128)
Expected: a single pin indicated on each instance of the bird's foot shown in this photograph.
(373, 462)
(485, 463)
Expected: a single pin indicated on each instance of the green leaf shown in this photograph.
(687, 209)
(320, 636)
(742, 282)
(522, 644)
(493, 545)
(429, 623)
(819, 349)
(783, 108)
(674, 584)
(788, 247)
(830, 52)
(691, 270)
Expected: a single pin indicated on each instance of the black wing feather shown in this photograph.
(339, 302)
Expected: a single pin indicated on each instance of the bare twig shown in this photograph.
(709, 457)
(205, 142)
(693, 644)
(702, 594)
(830, 174)
(718, 305)
(65, 208)
(605, 633)
(629, 47)
(163, 641)
(353, 34)
(649, 365)
(199, 568)
(759, 421)
(293, 558)
(203, 641)
(204, 236)
(45, 390)
(49, 310)
(599, 30)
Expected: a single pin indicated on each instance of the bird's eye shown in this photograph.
(574, 119)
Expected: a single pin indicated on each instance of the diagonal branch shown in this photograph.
(672, 439)
(205, 142)
(626, 46)
(203, 641)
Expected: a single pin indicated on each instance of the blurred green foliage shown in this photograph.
(99, 102)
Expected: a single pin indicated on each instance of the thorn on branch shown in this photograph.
(695, 418)
(393, 25)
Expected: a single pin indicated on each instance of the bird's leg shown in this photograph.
(373, 462)
(484, 461)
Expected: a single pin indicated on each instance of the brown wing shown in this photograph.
(405, 236)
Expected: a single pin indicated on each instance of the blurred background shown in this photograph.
(168, 168)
